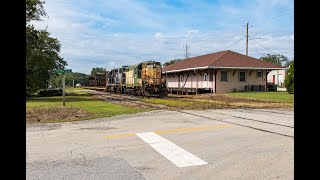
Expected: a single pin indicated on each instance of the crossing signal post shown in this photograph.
(63, 72)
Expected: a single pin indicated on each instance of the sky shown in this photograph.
(114, 33)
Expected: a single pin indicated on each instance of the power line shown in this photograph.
(263, 46)
(269, 20)
(256, 48)
(233, 43)
(286, 52)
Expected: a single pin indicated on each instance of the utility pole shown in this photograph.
(247, 38)
(63, 89)
(278, 75)
(186, 51)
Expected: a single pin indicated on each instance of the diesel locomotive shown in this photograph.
(143, 79)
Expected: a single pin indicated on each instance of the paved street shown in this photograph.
(213, 144)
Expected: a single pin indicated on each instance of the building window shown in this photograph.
(224, 76)
(259, 74)
(242, 76)
(205, 77)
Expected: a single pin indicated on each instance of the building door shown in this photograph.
(280, 80)
(205, 79)
(181, 81)
(274, 79)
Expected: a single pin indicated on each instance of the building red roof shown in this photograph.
(222, 59)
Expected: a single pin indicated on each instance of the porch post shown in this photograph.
(197, 82)
(267, 72)
(215, 80)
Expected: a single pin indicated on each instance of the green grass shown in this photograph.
(97, 107)
(283, 97)
(77, 91)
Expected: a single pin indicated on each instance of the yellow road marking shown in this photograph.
(170, 131)
(189, 129)
(120, 135)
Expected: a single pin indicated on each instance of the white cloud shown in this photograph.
(84, 46)
(190, 32)
(158, 35)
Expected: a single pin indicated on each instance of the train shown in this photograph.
(142, 79)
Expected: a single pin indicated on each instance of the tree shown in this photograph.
(97, 71)
(275, 58)
(34, 10)
(56, 81)
(42, 51)
(171, 62)
(289, 81)
(287, 64)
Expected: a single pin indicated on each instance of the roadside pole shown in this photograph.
(63, 73)
(63, 89)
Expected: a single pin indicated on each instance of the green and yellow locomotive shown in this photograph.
(144, 79)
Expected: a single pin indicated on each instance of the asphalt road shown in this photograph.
(214, 144)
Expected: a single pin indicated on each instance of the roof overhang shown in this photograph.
(220, 67)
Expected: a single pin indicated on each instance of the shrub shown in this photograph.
(289, 81)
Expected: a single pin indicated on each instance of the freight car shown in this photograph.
(144, 79)
(101, 80)
(92, 81)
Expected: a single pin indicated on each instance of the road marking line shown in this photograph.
(170, 131)
(189, 129)
(120, 135)
(169, 150)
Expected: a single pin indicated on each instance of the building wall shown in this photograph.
(274, 73)
(222, 87)
(234, 83)
(173, 80)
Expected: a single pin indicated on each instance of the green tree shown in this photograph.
(76, 77)
(171, 62)
(56, 81)
(289, 81)
(34, 10)
(42, 51)
(287, 64)
(97, 70)
(275, 58)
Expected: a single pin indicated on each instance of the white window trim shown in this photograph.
(245, 76)
(221, 76)
(205, 74)
(180, 81)
(257, 74)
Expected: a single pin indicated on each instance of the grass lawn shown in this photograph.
(282, 97)
(96, 107)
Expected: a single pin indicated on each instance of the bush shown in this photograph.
(50, 92)
(289, 81)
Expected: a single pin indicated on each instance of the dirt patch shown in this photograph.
(51, 114)
(218, 101)
(216, 97)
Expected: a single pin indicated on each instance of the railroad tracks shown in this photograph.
(256, 124)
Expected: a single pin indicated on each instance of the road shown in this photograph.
(212, 144)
